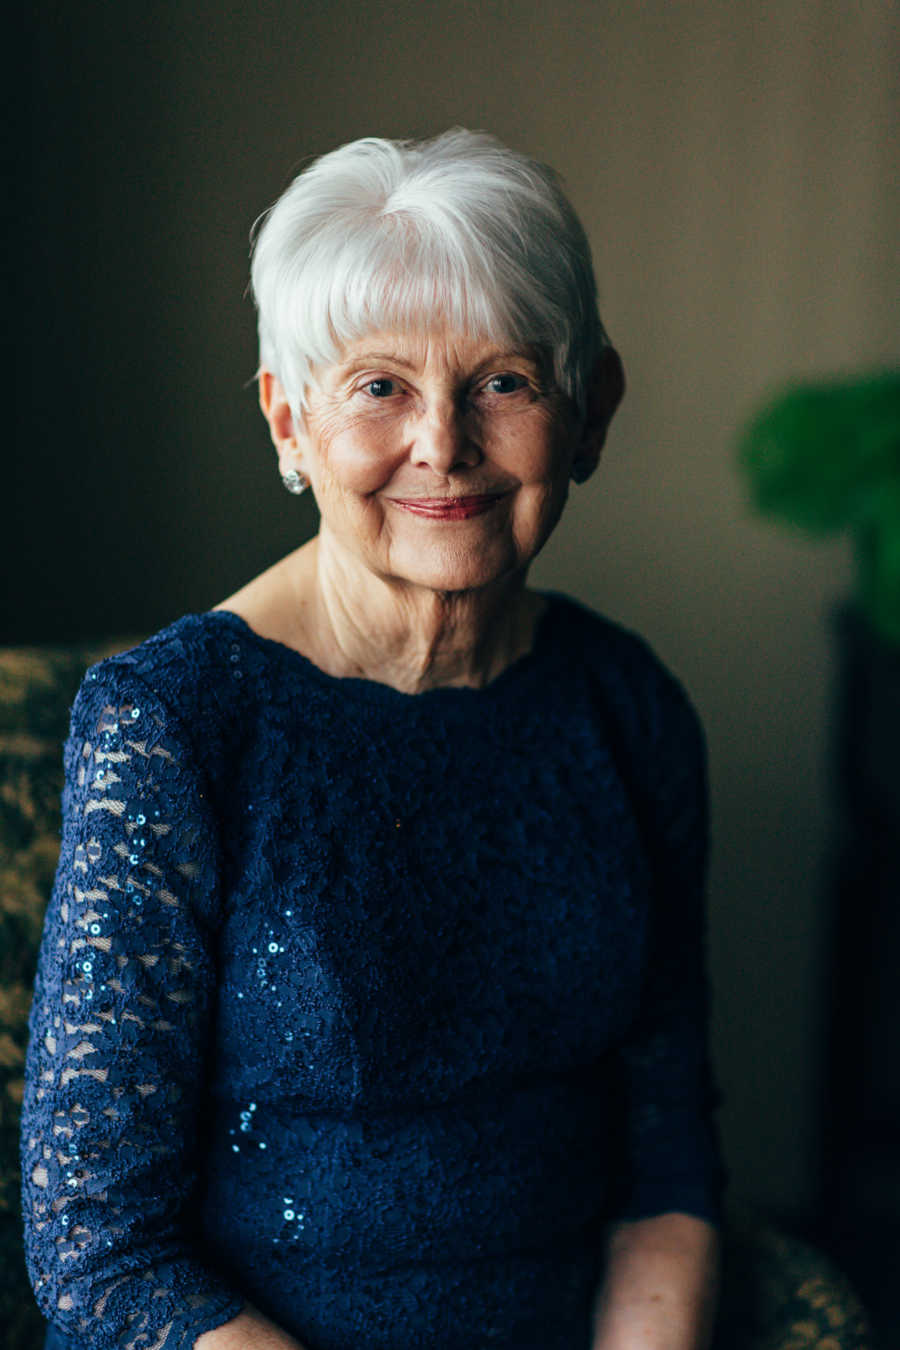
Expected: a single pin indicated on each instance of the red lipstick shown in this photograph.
(448, 508)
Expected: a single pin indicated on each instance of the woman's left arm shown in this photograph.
(660, 1281)
(660, 1286)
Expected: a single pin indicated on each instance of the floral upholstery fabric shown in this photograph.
(778, 1293)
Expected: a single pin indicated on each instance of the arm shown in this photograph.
(119, 1029)
(250, 1330)
(660, 1287)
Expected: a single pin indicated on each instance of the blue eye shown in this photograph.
(511, 384)
(380, 388)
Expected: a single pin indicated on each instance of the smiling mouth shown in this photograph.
(448, 508)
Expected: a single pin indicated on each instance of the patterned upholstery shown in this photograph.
(778, 1293)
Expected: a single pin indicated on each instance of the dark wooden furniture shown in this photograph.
(860, 1179)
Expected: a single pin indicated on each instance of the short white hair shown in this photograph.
(408, 236)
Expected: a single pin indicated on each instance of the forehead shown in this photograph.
(434, 349)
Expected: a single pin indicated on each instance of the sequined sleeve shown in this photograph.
(118, 1035)
(672, 1154)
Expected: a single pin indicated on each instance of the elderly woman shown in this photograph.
(371, 1007)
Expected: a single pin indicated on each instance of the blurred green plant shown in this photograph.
(826, 457)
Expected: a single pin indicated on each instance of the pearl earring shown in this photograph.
(295, 482)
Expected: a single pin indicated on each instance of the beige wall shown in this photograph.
(735, 166)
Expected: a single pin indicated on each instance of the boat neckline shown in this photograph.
(542, 646)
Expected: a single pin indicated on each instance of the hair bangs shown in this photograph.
(418, 280)
(455, 233)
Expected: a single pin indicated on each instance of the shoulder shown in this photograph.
(649, 720)
(652, 728)
(176, 685)
(622, 666)
(174, 659)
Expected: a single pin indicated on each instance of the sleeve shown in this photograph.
(671, 1153)
(119, 1030)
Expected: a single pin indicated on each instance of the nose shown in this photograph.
(442, 439)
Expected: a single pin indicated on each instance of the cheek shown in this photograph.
(355, 463)
(543, 471)
(542, 464)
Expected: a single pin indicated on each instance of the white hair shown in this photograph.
(407, 236)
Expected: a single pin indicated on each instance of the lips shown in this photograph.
(448, 508)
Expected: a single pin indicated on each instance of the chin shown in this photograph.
(451, 572)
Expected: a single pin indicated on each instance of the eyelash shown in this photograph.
(503, 375)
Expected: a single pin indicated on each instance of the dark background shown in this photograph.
(735, 167)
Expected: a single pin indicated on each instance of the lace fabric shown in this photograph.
(118, 1026)
(370, 1008)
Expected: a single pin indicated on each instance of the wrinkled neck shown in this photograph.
(411, 637)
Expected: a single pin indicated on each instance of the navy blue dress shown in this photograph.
(370, 1008)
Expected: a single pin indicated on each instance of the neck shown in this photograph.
(411, 637)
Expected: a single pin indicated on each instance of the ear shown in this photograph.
(604, 393)
(278, 413)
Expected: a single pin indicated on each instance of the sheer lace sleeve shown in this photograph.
(672, 1153)
(118, 1034)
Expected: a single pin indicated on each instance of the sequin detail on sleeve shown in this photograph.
(118, 1029)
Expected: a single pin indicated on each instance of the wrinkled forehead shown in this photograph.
(434, 349)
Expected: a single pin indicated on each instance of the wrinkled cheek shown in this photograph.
(349, 505)
(538, 516)
(356, 469)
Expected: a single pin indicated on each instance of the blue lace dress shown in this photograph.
(370, 1008)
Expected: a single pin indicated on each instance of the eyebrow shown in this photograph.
(399, 360)
(363, 357)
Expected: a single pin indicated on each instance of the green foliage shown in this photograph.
(826, 457)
